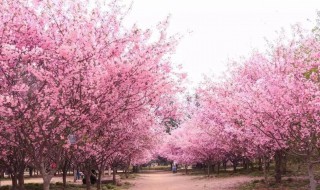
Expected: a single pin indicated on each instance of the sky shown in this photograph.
(218, 31)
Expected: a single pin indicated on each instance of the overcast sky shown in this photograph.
(221, 30)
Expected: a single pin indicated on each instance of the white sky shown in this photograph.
(221, 30)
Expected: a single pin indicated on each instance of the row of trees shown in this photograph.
(265, 107)
(78, 88)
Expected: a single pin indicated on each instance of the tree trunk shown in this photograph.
(234, 164)
(64, 177)
(46, 181)
(260, 164)
(284, 163)
(225, 165)
(278, 165)
(21, 179)
(14, 181)
(109, 171)
(186, 168)
(30, 171)
(265, 169)
(87, 176)
(99, 179)
(245, 163)
(208, 169)
(75, 175)
(313, 184)
(218, 168)
(114, 180)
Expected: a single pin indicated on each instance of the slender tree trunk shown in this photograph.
(186, 168)
(278, 165)
(284, 163)
(30, 171)
(208, 169)
(64, 177)
(109, 171)
(87, 176)
(313, 184)
(245, 163)
(260, 164)
(225, 165)
(21, 179)
(14, 181)
(99, 179)
(234, 164)
(114, 180)
(265, 173)
(219, 167)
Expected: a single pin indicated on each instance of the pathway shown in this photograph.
(170, 181)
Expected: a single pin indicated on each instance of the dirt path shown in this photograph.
(169, 181)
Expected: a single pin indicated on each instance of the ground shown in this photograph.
(39, 180)
(170, 181)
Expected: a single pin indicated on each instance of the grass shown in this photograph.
(165, 168)
(227, 173)
(287, 184)
(130, 176)
(59, 186)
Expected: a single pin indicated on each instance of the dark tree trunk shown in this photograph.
(234, 164)
(64, 178)
(260, 164)
(99, 179)
(245, 163)
(114, 172)
(87, 176)
(218, 168)
(278, 165)
(265, 169)
(30, 171)
(14, 182)
(284, 163)
(21, 179)
(225, 165)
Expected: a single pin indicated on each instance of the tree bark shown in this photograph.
(313, 184)
(234, 164)
(114, 180)
(278, 165)
(87, 176)
(225, 165)
(260, 164)
(21, 179)
(30, 171)
(14, 181)
(46, 182)
(208, 169)
(265, 173)
(284, 163)
(64, 178)
(99, 179)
